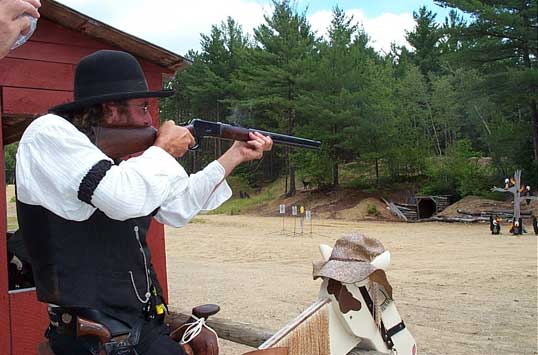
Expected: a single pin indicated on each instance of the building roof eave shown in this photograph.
(79, 22)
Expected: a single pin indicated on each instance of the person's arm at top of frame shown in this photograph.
(12, 24)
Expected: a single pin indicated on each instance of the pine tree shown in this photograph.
(425, 39)
(332, 95)
(270, 76)
(504, 46)
(204, 89)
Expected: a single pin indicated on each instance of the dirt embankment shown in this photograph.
(348, 204)
(357, 205)
(474, 205)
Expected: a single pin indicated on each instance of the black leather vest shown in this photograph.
(99, 263)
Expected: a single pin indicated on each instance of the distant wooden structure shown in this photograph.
(425, 207)
(33, 78)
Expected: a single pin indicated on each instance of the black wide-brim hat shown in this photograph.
(106, 76)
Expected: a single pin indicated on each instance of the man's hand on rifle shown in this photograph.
(241, 152)
(174, 139)
(252, 149)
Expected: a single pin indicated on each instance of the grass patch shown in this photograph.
(237, 205)
(12, 223)
(372, 210)
(358, 183)
(198, 220)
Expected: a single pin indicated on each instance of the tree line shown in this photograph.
(457, 110)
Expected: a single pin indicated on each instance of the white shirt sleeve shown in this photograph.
(53, 158)
(205, 190)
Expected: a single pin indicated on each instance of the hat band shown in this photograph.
(109, 88)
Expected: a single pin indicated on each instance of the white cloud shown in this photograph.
(383, 29)
(176, 24)
(389, 28)
(173, 24)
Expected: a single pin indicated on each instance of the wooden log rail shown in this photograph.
(455, 219)
(238, 332)
(493, 213)
(242, 333)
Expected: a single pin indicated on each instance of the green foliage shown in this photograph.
(314, 167)
(269, 81)
(425, 39)
(372, 210)
(10, 151)
(197, 220)
(459, 173)
(502, 42)
(466, 89)
(12, 223)
(204, 89)
(236, 205)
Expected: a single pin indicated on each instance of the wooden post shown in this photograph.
(5, 323)
(517, 196)
(516, 192)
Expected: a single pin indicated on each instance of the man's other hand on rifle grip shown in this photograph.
(241, 152)
(254, 148)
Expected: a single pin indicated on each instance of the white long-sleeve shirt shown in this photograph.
(53, 157)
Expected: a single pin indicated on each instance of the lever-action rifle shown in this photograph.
(120, 142)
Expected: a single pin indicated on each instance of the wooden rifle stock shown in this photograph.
(123, 141)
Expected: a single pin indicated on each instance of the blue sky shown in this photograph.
(374, 8)
(176, 24)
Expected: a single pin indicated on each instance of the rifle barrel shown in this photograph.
(201, 128)
(290, 140)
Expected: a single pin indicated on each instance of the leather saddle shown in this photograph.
(206, 342)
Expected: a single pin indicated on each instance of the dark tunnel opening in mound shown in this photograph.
(426, 208)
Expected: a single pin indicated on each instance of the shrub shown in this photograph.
(459, 173)
(371, 210)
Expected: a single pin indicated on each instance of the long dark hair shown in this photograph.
(87, 118)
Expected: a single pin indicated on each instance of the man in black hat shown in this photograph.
(85, 218)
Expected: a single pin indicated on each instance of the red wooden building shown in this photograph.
(33, 78)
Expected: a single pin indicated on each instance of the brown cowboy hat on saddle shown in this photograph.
(350, 262)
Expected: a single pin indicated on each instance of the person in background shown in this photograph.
(12, 23)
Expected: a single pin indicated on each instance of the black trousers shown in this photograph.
(154, 340)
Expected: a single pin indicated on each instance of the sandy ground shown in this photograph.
(459, 289)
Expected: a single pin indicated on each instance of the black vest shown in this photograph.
(97, 263)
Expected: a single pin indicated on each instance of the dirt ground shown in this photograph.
(459, 289)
